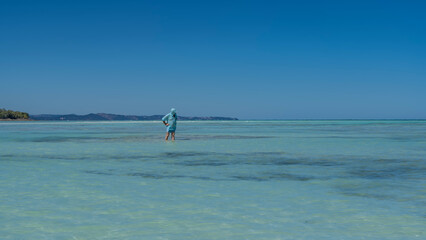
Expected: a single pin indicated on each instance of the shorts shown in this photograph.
(171, 130)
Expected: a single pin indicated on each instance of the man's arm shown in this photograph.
(165, 118)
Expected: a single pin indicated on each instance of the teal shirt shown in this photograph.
(170, 120)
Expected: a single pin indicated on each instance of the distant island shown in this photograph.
(9, 115)
(6, 115)
(114, 117)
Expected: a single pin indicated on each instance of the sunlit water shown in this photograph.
(218, 180)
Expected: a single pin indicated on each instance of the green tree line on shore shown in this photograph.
(9, 114)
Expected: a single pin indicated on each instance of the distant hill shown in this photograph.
(114, 117)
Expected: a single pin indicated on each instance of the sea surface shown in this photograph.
(219, 180)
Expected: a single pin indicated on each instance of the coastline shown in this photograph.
(21, 119)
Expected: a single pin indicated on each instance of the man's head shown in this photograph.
(173, 111)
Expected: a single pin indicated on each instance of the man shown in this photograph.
(170, 121)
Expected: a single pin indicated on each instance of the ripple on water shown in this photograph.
(400, 171)
(255, 158)
(83, 139)
(128, 138)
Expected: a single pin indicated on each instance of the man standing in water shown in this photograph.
(170, 121)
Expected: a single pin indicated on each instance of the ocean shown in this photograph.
(351, 179)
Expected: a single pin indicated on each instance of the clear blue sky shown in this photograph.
(246, 59)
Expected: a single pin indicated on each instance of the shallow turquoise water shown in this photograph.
(218, 180)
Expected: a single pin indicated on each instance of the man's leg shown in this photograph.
(167, 136)
(173, 136)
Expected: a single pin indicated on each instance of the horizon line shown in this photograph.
(246, 119)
